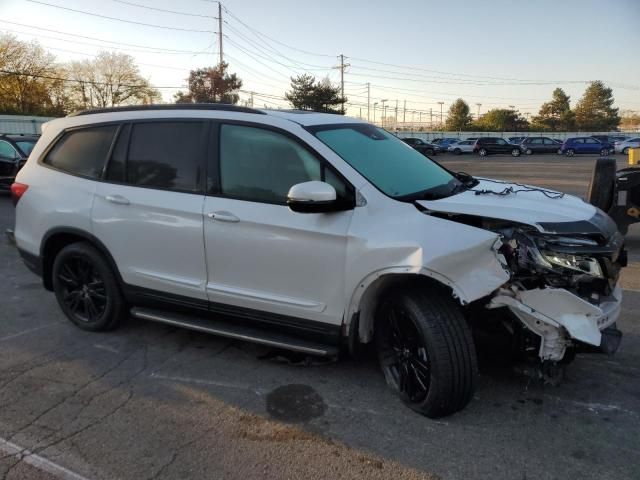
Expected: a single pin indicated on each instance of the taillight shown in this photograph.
(17, 190)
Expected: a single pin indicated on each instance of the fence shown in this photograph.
(22, 124)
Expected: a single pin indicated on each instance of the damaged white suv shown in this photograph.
(313, 232)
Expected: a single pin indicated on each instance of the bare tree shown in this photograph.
(111, 79)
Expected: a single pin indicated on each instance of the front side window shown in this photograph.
(591, 140)
(261, 165)
(7, 151)
(500, 141)
(164, 155)
(82, 152)
(388, 163)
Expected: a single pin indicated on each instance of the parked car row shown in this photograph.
(516, 146)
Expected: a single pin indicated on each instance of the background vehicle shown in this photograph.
(576, 145)
(539, 145)
(609, 138)
(623, 146)
(14, 150)
(444, 143)
(421, 146)
(488, 145)
(516, 140)
(463, 146)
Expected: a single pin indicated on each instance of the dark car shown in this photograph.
(539, 145)
(421, 146)
(575, 145)
(516, 140)
(488, 145)
(609, 138)
(14, 150)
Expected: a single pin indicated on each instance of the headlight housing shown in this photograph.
(578, 263)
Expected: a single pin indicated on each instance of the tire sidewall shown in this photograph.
(482, 152)
(515, 152)
(113, 297)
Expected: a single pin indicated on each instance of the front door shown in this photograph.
(260, 254)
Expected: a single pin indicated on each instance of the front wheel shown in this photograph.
(515, 152)
(625, 151)
(86, 288)
(604, 152)
(426, 351)
(483, 152)
(570, 153)
(528, 151)
(457, 151)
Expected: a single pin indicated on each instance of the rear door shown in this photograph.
(549, 145)
(260, 254)
(500, 145)
(148, 211)
(591, 145)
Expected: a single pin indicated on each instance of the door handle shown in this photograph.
(223, 217)
(117, 199)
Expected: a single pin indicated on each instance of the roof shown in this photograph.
(308, 118)
(19, 136)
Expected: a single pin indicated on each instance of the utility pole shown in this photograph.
(441, 117)
(430, 118)
(384, 112)
(251, 98)
(404, 113)
(220, 31)
(420, 121)
(374, 112)
(396, 119)
(478, 105)
(342, 67)
(369, 101)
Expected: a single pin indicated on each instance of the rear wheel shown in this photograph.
(570, 153)
(426, 351)
(483, 152)
(86, 288)
(515, 152)
(528, 151)
(602, 183)
(457, 151)
(625, 151)
(604, 152)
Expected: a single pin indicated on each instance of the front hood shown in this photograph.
(567, 214)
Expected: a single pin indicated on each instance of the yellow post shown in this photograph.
(634, 156)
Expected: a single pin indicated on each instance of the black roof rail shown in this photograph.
(170, 106)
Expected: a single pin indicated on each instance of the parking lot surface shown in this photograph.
(151, 402)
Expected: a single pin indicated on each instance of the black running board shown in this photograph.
(235, 331)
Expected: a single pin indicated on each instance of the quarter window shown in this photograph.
(261, 165)
(82, 152)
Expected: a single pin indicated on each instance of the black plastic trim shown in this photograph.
(33, 262)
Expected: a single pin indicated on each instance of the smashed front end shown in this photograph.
(563, 295)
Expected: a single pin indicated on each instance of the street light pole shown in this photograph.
(478, 105)
(384, 112)
(374, 112)
(441, 116)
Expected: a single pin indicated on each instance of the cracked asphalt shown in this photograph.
(153, 402)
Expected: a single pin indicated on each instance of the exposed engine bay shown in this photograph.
(562, 296)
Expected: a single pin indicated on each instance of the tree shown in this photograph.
(595, 111)
(308, 94)
(629, 120)
(555, 115)
(211, 85)
(500, 120)
(28, 79)
(458, 117)
(109, 80)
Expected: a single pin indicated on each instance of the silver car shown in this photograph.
(624, 145)
(463, 146)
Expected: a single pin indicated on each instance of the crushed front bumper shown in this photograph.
(562, 319)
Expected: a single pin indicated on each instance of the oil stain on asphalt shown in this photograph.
(295, 403)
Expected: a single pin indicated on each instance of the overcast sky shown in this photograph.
(494, 52)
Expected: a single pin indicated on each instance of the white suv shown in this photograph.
(313, 232)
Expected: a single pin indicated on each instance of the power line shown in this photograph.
(163, 10)
(120, 19)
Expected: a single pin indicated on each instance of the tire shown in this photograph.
(426, 350)
(570, 153)
(604, 152)
(483, 152)
(516, 152)
(625, 151)
(87, 289)
(457, 151)
(528, 151)
(602, 184)
(430, 152)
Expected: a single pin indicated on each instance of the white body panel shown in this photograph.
(155, 239)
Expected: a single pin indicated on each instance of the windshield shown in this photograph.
(387, 162)
(26, 146)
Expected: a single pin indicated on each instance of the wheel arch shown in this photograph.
(371, 290)
(58, 238)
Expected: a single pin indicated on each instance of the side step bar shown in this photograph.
(235, 331)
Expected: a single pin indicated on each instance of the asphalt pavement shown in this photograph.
(154, 402)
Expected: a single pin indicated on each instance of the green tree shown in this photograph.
(458, 117)
(211, 85)
(501, 120)
(595, 111)
(308, 94)
(555, 115)
(629, 120)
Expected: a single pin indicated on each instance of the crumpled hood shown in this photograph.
(531, 207)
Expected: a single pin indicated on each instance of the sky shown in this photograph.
(498, 53)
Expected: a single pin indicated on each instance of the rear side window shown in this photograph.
(82, 152)
(164, 155)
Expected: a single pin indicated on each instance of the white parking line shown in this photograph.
(39, 462)
(31, 330)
